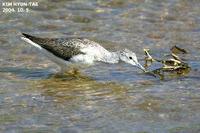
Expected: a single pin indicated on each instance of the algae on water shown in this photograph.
(173, 65)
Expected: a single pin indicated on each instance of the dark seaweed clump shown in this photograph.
(173, 65)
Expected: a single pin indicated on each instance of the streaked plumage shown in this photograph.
(79, 50)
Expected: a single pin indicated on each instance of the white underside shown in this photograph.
(62, 63)
(92, 54)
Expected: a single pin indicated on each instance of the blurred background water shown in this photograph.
(107, 98)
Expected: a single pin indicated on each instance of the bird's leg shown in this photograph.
(75, 71)
(63, 69)
(71, 71)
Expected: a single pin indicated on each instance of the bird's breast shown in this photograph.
(82, 59)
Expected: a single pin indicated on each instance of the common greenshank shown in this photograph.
(63, 51)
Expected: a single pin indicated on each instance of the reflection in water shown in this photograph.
(171, 74)
(67, 86)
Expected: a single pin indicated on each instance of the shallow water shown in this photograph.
(103, 98)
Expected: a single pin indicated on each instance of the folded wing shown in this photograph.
(64, 48)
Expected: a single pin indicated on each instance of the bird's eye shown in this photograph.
(130, 58)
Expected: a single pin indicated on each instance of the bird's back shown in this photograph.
(64, 48)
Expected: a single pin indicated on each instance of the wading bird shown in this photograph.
(64, 51)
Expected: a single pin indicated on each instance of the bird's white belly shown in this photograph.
(82, 59)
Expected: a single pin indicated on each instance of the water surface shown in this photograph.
(104, 98)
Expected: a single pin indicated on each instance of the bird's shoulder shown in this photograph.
(76, 42)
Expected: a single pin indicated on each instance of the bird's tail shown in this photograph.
(28, 38)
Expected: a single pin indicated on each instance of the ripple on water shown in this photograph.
(108, 98)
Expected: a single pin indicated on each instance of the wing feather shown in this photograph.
(64, 48)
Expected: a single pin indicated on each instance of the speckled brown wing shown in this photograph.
(64, 48)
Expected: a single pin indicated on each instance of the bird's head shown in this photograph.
(129, 57)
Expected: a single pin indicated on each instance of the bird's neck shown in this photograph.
(111, 57)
